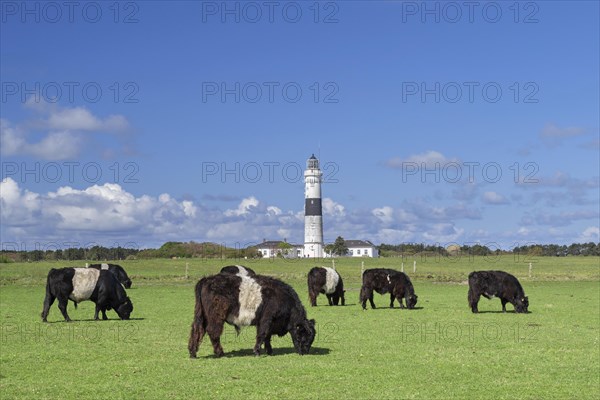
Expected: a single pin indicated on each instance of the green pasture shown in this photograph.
(439, 350)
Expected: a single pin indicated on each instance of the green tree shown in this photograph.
(329, 249)
(339, 247)
(283, 249)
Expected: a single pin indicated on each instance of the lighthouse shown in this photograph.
(313, 216)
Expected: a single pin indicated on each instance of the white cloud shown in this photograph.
(244, 207)
(92, 212)
(429, 159)
(553, 131)
(63, 132)
(111, 214)
(553, 136)
(331, 208)
(272, 210)
(11, 142)
(494, 198)
(77, 119)
(384, 214)
(56, 146)
(590, 234)
(443, 233)
(563, 218)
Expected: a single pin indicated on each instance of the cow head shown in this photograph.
(411, 301)
(303, 336)
(124, 309)
(522, 304)
(122, 276)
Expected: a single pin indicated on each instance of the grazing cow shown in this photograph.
(79, 284)
(117, 270)
(269, 304)
(497, 284)
(402, 288)
(239, 270)
(325, 280)
(376, 279)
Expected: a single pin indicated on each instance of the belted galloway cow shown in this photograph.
(328, 281)
(80, 284)
(267, 303)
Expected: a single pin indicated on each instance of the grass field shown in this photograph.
(439, 350)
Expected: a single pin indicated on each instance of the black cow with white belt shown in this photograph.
(80, 284)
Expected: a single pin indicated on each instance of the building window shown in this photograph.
(366, 252)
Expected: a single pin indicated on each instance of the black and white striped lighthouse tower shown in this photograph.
(313, 216)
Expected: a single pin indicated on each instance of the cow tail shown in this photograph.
(198, 324)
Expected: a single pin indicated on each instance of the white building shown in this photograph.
(278, 248)
(361, 248)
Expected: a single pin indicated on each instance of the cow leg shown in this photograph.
(263, 336)
(473, 300)
(503, 301)
(104, 317)
(268, 347)
(62, 306)
(312, 296)
(392, 301)
(214, 331)
(96, 311)
(196, 336)
(371, 301)
(329, 300)
(363, 298)
(48, 301)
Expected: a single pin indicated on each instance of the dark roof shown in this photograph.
(271, 244)
(313, 157)
(358, 243)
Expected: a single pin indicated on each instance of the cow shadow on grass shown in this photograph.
(62, 321)
(501, 312)
(395, 308)
(314, 351)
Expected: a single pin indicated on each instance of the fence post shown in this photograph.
(362, 268)
(187, 266)
(333, 263)
(530, 270)
(414, 266)
(402, 269)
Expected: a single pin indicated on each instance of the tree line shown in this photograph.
(218, 251)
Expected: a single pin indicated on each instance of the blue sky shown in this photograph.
(435, 123)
